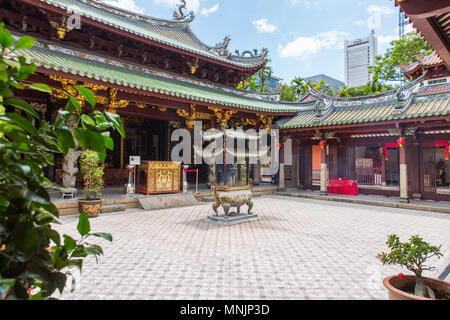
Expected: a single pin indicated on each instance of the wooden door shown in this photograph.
(305, 166)
(429, 168)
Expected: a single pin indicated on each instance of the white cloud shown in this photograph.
(387, 38)
(128, 5)
(380, 9)
(313, 44)
(191, 5)
(206, 12)
(305, 3)
(409, 28)
(359, 22)
(263, 26)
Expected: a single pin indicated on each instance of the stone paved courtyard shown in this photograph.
(300, 249)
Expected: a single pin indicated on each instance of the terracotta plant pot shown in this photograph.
(91, 208)
(397, 287)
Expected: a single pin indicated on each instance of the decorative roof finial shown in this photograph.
(179, 16)
(222, 47)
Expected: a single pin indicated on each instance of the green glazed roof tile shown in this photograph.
(118, 75)
(175, 34)
(347, 115)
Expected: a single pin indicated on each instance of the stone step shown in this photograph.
(113, 207)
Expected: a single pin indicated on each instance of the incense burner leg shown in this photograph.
(215, 206)
(226, 208)
(250, 206)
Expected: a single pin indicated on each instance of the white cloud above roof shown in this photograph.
(313, 44)
(263, 26)
(380, 9)
(206, 12)
(128, 5)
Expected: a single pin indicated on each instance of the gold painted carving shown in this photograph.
(222, 115)
(61, 32)
(113, 103)
(266, 121)
(68, 86)
(40, 107)
(189, 116)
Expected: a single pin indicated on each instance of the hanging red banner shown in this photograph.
(389, 145)
(443, 144)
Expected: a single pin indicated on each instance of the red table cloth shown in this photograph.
(343, 186)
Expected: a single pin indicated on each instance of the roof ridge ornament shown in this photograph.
(222, 47)
(180, 16)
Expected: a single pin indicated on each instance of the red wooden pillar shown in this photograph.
(281, 185)
(404, 197)
(323, 171)
(383, 169)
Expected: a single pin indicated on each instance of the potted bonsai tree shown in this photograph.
(92, 172)
(413, 255)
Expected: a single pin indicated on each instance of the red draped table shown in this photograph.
(344, 186)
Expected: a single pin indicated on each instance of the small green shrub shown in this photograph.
(92, 171)
(412, 255)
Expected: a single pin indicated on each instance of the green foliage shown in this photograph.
(32, 254)
(92, 171)
(402, 51)
(412, 255)
(264, 74)
(288, 93)
(372, 87)
(300, 86)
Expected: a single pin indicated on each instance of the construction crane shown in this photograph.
(401, 24)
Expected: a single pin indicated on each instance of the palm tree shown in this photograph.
(265, 73)
(300, 86)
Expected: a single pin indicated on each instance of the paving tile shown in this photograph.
(301, 249)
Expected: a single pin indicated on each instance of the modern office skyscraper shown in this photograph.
(359, 54)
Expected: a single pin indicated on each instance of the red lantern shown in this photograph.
(401, 142)
(280, 146)
(381, 150)
(322, 144)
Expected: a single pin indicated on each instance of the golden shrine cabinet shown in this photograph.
(155, 177)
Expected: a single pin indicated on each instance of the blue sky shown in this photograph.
(304, 37)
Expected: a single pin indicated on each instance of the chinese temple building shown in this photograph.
(395, 143)
(155, 73)
(159, 76)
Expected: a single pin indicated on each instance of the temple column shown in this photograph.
(281, 185)
(403, 175)
(383, 170)
(323, 173)
(295, 149)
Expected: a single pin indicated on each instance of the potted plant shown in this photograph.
(92, 172)
(413, 255)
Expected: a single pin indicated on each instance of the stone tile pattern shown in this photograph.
(301, 249)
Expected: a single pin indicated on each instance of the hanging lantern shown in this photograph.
(401, 142)
(280, 146)
(381, 150)
(443, 144)
(322, 144)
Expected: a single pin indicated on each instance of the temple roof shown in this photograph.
(425, 107)
(174, 33)
(431, 60)
(414, 102)
(127, 76)
(431, 19)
